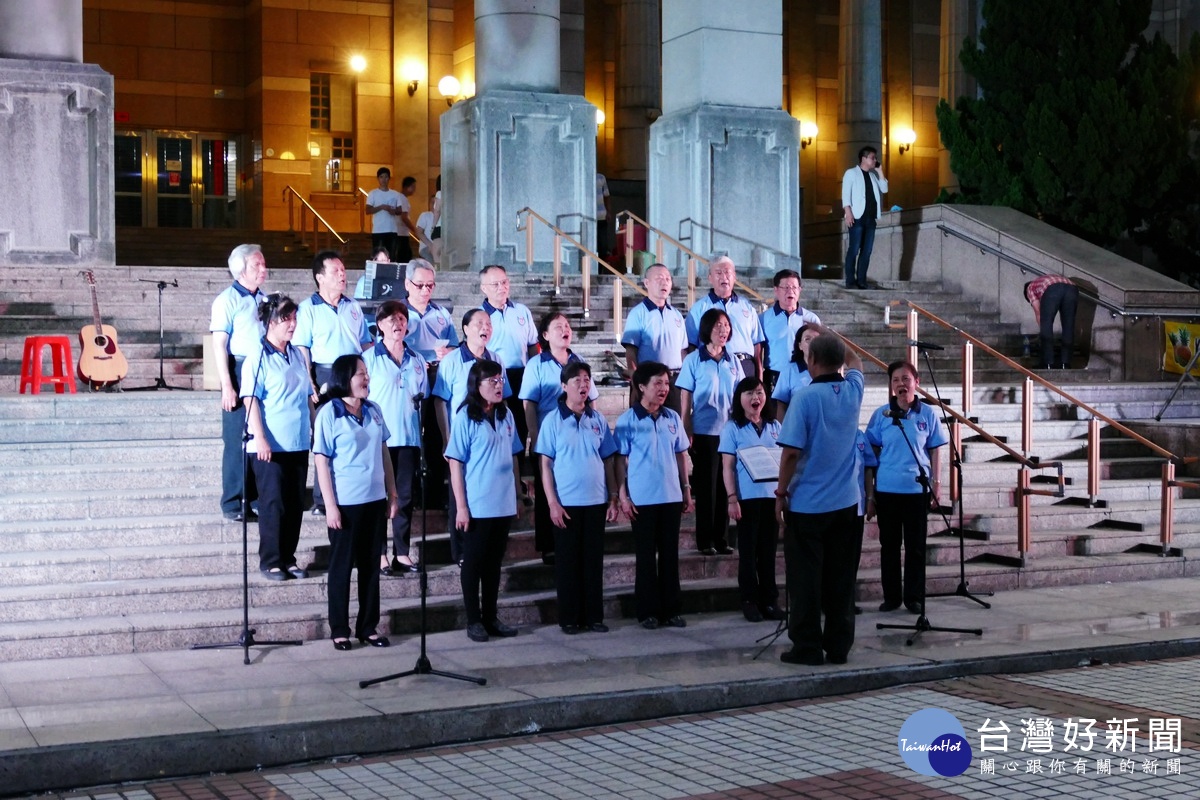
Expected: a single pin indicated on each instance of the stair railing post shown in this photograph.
(557, 262)
(629, 230)
(955, 463)
(1093, 460)
(291, 211)
(910, 329)
(691, 282)
(587, 285)
(658, 250)
(1027, 416)
(618, 310)
(968, 378)
(529, 246)
(1023, 483)
(1167, 513)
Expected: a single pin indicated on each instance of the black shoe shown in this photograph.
(773, 613)
(675, 622)
(598, 627)
(344, 644)
(476, 632)
(724, 550)
(649, 623)
(857, 610)
(548, 559)
(795, 656)
(915, 608)
(498, 628)
(570, 630)
(398, 567)
(751, 613)
(318, 511)
(275, 574)
(838, 659)
(386, 572)
(232, 516)
(375, 641)
(708, 551)
(888, 605)
(296, 571)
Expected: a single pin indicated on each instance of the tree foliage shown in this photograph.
(1081, 121)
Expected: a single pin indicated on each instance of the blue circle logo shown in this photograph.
(933, 742)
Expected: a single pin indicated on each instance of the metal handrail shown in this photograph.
(692, 256)
(1025, 266)
(585, 266)
(1093, 437)
(362, 210)
(712, 230)
(290, 195)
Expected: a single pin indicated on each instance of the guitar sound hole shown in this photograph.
(101, 341)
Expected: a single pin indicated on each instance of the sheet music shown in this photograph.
(761, 462)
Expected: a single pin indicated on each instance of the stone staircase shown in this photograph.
(111, 540)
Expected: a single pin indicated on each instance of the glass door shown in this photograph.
(174, 182)
(217, 186)
(174, 179)
(130, 152)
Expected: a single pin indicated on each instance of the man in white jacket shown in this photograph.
(861, 209)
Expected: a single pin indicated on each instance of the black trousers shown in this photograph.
(405, 463)
(436, 486)
(758, 542)
(484, 545)
(356, 546)
(656, 549)
(544, 532)
(321, 375)
(232, 424)
(708, 490)
(280, 506)
(903, 518)
(820, 552)
(384, 241)
(579, 566)
(1060, 299)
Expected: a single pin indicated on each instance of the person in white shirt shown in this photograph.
(382, 206)
(861, 210)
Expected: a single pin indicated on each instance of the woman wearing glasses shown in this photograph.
(482, 451)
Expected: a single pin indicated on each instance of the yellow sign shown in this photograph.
(1182, 339)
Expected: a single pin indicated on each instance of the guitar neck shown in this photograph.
(95, 308)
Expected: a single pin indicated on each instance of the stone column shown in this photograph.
(518, 143)
(860, 78)
(571, 48)
(958, 22)
(56, 140)
(724, 157)
(639, 85)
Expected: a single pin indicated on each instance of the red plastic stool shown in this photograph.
(62, 378)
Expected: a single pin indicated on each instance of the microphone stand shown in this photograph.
(922, 624)
(956, 463)
(423, 665)
(160, 382)
(246, 640)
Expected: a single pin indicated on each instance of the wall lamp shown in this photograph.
(449, 87)
(905, 137)
(808, 132)
(358, 63)
(412, 72)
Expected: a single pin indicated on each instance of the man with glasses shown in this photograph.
(431, 333)
(746, 340)
(514, 335)
(654, 331)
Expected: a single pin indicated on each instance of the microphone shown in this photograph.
(924, 345)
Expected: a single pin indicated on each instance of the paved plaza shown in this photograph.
(677, 713)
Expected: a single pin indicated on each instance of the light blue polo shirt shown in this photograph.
(779, 328)
(733, 438)
(711, 382)
(651, 443)
(897, 471)
(822, 422)
(393, 387)
(657, 333)
(329, 332)
(451, 383)
(542, 383)
(354, 449)
(235, 311)
(513, 332)
(425, 329)
(791, 380)
(578, 444)
(282, 389)
(486, 451)
(747, 331)
(864, 458)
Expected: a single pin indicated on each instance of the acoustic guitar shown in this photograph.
(101, 362)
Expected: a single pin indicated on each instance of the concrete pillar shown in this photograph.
(860, 78)
(571, 47)
(44, 30)
(639, 85)
(518, 143)
(517, 45)
(958, 23)
(724, 157)
(56, 140)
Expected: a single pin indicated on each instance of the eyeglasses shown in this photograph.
(497, 283)
(497, 381)
(423, 286)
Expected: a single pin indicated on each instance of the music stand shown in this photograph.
(161, 382)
